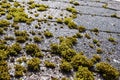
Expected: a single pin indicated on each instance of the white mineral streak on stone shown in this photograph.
(116, 61)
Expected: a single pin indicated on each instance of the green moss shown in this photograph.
(37, 39)
(81, 29)
(81, 60)
(105, 5)
(22, 36)
(4, 23)
(59, 20)
(3, 55)
(67, 20)
(9, 16)
(49, 64)
(36, 15)
(32, 49)
(76, 3)
(4, 74)
(95, 41)
(65, 66)
(16, 4)
(55, 48)
(72, 25)
(99, 50)
(5, 5)
(8, 37)
(71, 9)
(42, 9)
(84, 74)
(48, 34)
(78, 35)
(19, 70)
(115, 15)
(3, 46)
(14, 49)
(107, 71)
(21, 39)
(19, 15)
(50, 17)
(33, 64)
(96, 58)
(68, 54)
(64, 78)
(1, 31)
(95, 30)
(87, 36)
(111, 39)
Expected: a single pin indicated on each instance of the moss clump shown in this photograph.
(3, 55)
(99, 50)
(4, 23)
(64, 47)
(3, 46)
(59, 20)
(33, 49)
(76, 3)
(33, 64)
(50, 17)
(48, 34)
(37, 39)
(9, 16)
(115, 15)
(84, 74)
(5, 5)
(81, 60)
(71, 9)
(1, 31)
(95, 41)
(42, 8)
(65, 66)
(22, 36)
(107, 71)
(78, 35)
(14, 50)
(81, 29)
(95, 30)
(49, 64)
(67, 20)
(21, 39)
(111, 39)
(105, 5)
(96, 58)
(87, 36)
(71, 24)
(4, 74)
(8, 37)
(16, 4)
(19, 15)
(55, 48)
(68, 54)
(19, 70)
